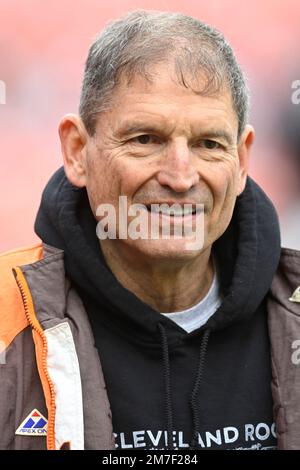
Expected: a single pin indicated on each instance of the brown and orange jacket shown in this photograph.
(48, 360)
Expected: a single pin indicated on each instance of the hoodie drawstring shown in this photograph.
(198, 381)
(195, 392)
(167, 379)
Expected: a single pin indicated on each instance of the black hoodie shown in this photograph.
(168, 388)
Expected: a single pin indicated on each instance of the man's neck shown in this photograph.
(167, 286)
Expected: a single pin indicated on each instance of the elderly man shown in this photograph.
(134, 339)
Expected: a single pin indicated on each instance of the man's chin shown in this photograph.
(184, 248)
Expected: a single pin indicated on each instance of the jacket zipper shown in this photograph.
(30, 315)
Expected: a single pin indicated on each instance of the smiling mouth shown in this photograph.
(174, 210)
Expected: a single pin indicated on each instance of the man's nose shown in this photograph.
(177, 168)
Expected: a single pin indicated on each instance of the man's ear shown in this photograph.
(244, 145)
(73, 137)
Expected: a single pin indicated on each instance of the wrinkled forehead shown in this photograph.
(162, 97)
(199, 81)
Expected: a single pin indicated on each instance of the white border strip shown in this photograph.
(63, 368)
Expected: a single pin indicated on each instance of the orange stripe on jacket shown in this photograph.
(12, 315)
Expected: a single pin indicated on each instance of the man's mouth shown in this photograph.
(173, 209)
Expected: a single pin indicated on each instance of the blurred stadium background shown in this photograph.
(43, 47)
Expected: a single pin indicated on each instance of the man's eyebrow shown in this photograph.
(134, 127)
(217, 134)
(129, 128)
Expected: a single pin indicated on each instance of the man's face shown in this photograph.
(162, 143)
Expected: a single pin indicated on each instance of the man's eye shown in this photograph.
(210, 144)
(143, 139)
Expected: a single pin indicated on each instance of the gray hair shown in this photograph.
(133, 43)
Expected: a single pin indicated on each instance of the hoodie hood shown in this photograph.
(247, 253)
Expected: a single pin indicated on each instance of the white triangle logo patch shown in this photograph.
(34, 425)
(296, 295)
